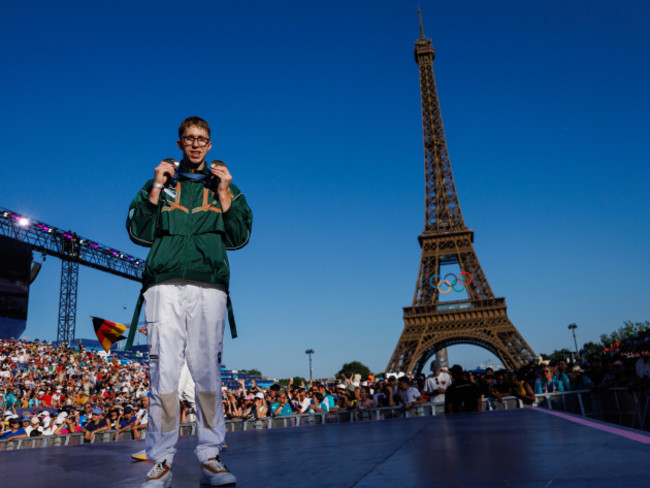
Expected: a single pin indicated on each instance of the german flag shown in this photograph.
(108, 333)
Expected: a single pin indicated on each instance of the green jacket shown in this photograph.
(188, 234)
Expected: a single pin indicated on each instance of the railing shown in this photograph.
(45, 441)
(621, 406)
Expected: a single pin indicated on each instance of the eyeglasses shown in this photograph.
(190, 140)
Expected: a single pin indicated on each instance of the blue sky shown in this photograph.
(315, 107)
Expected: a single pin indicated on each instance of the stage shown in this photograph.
(529, 448)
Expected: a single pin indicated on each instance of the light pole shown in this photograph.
(573, 328)
(309, 352)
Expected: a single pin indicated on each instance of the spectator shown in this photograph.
(71, 425)
(25, 424)
(410, 395)
(326, 395)
(547, 382)
(281, 406)
(126, 422)
(384, 396)
(521, 388)
(302, 402)
(617, 376)
(142, 417)
(85, 417)
(15, 430)
(114, 417)
(365, 398)
(580, 380)
(462, 395)
(502, 387)
(34, 429)
(187, 412)
(320, 404)
(642, 365)
(96, 424)
(437, 383)
(230, 406)
(485, 382)
(261, 409)
(560, 370)
(596, 371)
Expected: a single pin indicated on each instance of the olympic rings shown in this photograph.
(451, 285)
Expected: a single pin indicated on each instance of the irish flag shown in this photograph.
(108, 333)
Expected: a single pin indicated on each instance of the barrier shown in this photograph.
(622, 406)
(45, 441)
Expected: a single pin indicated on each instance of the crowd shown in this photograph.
(48, 389)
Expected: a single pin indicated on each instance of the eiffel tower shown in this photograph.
(431, 325)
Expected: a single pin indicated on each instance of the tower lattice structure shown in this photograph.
(431, 325)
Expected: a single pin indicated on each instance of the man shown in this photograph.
(462, 395)
(96, 424)
(302, 402)
(281, 406)
(189, 216)
(410, 394)
(560, 371)
(85, 417)
(126, 422)
(437, 383)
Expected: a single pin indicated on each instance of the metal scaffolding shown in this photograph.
(73, 250)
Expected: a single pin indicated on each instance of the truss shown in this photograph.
(73, 250)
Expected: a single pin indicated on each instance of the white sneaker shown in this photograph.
(160, 476)
(215, 473)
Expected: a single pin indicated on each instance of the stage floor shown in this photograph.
(513, 448)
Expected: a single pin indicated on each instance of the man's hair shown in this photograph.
(193, 122)
(456, 370)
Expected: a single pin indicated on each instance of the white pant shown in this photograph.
(184, 319)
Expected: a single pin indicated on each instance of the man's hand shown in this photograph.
(223, 190)
(225, 178)
(163, 172)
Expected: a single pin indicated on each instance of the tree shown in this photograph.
(629, 329)
(590, 349)
(355, 367)
(561, 355)
(252, 372)
(297, 381)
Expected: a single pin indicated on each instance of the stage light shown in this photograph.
(24, 221)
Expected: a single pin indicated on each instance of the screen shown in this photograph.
(15, 269)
